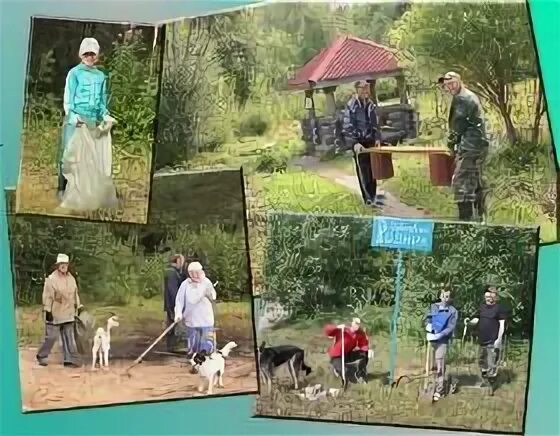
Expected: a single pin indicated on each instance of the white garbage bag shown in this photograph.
(87, 166)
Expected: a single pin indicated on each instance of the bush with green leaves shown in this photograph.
(133, 70)
(316, 264)
(255, 124)
(321, 263)
(111, 263)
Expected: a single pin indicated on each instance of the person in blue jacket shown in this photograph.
(85, 99)
(362, 127)
(440, 323)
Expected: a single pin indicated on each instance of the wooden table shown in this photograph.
(440, 161)
(407, 149)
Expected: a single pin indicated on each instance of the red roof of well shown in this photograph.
(345, 58)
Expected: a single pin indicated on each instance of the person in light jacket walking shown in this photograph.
(195, 305)
(61, 304)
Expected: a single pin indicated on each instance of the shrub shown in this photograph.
(254, 125)
(271, 162)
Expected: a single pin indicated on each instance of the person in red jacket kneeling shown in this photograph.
(354, 348)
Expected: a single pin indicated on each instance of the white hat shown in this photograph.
(356, 321)
(62, 258)
(89, 45)
(194, 266)
(449, 76)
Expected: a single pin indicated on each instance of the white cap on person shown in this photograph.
(449, 76)
(194, 266)
(89, 45)
(62, 258)
(356, 321)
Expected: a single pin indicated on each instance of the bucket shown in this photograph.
(442, 166)
(382, 166)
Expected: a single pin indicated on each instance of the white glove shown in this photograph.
(473, 321)
(178, 317)
(358, 148)
(370, 354)
(109, 119)
(497, 343)
(341, 326)
(429, 328)
(74, 120)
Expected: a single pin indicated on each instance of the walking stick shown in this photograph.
(343, 366)
(428, 366)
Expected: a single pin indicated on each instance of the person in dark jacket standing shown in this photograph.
(469, 146)
(491, 328)
(440, 323)
(173, 278)
(361, 125)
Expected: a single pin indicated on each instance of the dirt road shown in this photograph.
(159, 378)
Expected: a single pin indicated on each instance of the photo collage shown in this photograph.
(373, 182)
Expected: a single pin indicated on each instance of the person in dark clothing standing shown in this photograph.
(174, 276)
(361, 125)
(491, 328)
(468, 145)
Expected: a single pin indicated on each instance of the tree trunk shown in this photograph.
(511, 132)
(505, 110)
(539, 111)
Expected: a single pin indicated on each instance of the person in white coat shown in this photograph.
(194, 305)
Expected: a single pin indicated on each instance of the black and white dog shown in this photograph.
(211, 367)
(271, 358)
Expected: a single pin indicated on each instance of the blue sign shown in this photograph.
(402, 234)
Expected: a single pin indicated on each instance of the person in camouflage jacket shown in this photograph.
(468, 145)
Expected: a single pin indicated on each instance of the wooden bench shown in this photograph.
(440, 161)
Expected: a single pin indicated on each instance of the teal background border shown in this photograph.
(228, 415)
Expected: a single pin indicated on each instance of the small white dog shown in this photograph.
(211, 367)
(102, 344)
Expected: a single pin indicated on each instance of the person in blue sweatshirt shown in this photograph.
(85, 99)
(440, 323)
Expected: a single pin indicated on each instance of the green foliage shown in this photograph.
(133, 72)
(271, 162)
(110, 262)
(317, 264)
(489, 44)
(321, 263)
(255, 124)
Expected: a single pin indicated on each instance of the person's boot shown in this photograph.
(492, 384)
(41, 362)
(62, 183)
(466, 210)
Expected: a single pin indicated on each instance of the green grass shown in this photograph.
(299, 191)
(282, 140)
(411, 184)
(377, 403)
(212, 197)
(142, 317)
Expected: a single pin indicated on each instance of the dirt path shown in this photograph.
(391, 205)
(56, 387)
